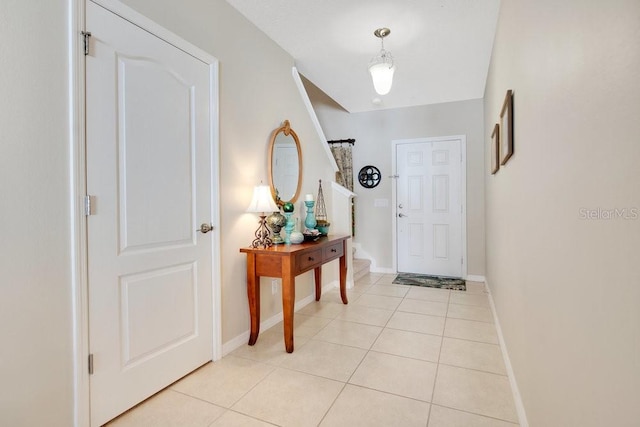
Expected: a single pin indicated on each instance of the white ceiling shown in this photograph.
(441, 48)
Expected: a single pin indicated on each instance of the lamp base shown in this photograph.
(262, 234)
(277, 238)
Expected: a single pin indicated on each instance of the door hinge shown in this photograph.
(90, 364)
(461, 261)
(88, 205)
(85, 36)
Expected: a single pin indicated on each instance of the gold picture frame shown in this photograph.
(495, 149)
(506, 128)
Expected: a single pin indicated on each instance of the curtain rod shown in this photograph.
(342, 141)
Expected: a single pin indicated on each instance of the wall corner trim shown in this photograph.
(313, 116)
(342, 190)
(517, 398)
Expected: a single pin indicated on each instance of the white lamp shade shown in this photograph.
(382, 76)
(262, 200)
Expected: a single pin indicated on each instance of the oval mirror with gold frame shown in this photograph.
(285, 164)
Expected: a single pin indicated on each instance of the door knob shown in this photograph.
(205, 228)
(401, 215)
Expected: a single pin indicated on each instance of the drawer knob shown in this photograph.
(334, 250)
(311, 258)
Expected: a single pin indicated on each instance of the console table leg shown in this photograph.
(288, 302)
(317, 272)
(343, 275)
(253, 293)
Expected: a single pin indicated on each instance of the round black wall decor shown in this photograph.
(369, 176)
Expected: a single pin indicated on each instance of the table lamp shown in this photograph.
(261, 203)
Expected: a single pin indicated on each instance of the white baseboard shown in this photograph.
(236, 342)
(474, 278)
(243, 338)
(383, 270)
(362, 254)
(356, 247)
(335, 284)
(517, 398)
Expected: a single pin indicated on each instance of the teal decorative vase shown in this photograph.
(310, 221)
(288, 227)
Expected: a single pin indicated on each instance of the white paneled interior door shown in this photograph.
(429, 208)
(149, 172)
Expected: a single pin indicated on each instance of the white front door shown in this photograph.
(429, 207)
(149, 174)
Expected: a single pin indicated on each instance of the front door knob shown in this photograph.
(401, 215)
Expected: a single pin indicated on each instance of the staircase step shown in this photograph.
(361, 268)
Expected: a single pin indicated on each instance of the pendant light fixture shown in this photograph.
(381, 67)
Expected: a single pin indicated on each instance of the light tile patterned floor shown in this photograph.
(395, 356)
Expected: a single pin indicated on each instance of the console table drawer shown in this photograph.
(308, 260)
(332, 252)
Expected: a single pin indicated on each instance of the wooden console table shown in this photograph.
(286, 262)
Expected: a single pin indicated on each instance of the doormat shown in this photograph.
(430, 281)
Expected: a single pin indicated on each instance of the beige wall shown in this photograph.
(567, 289)
(374, 132)
(257, 93)
(35, 279)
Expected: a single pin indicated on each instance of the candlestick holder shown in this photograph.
(310, 221)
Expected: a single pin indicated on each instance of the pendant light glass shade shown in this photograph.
(382, 70)
(381, 67)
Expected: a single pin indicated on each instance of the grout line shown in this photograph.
(200, 399)
(244, 415)
(435, 378)
(475, 413)
(359, 363)
(389, 393)
(473, 369)
(255, 385)
(344, 385)
(343, 345)
(274, 367)
(405, 357)
(374, 341)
